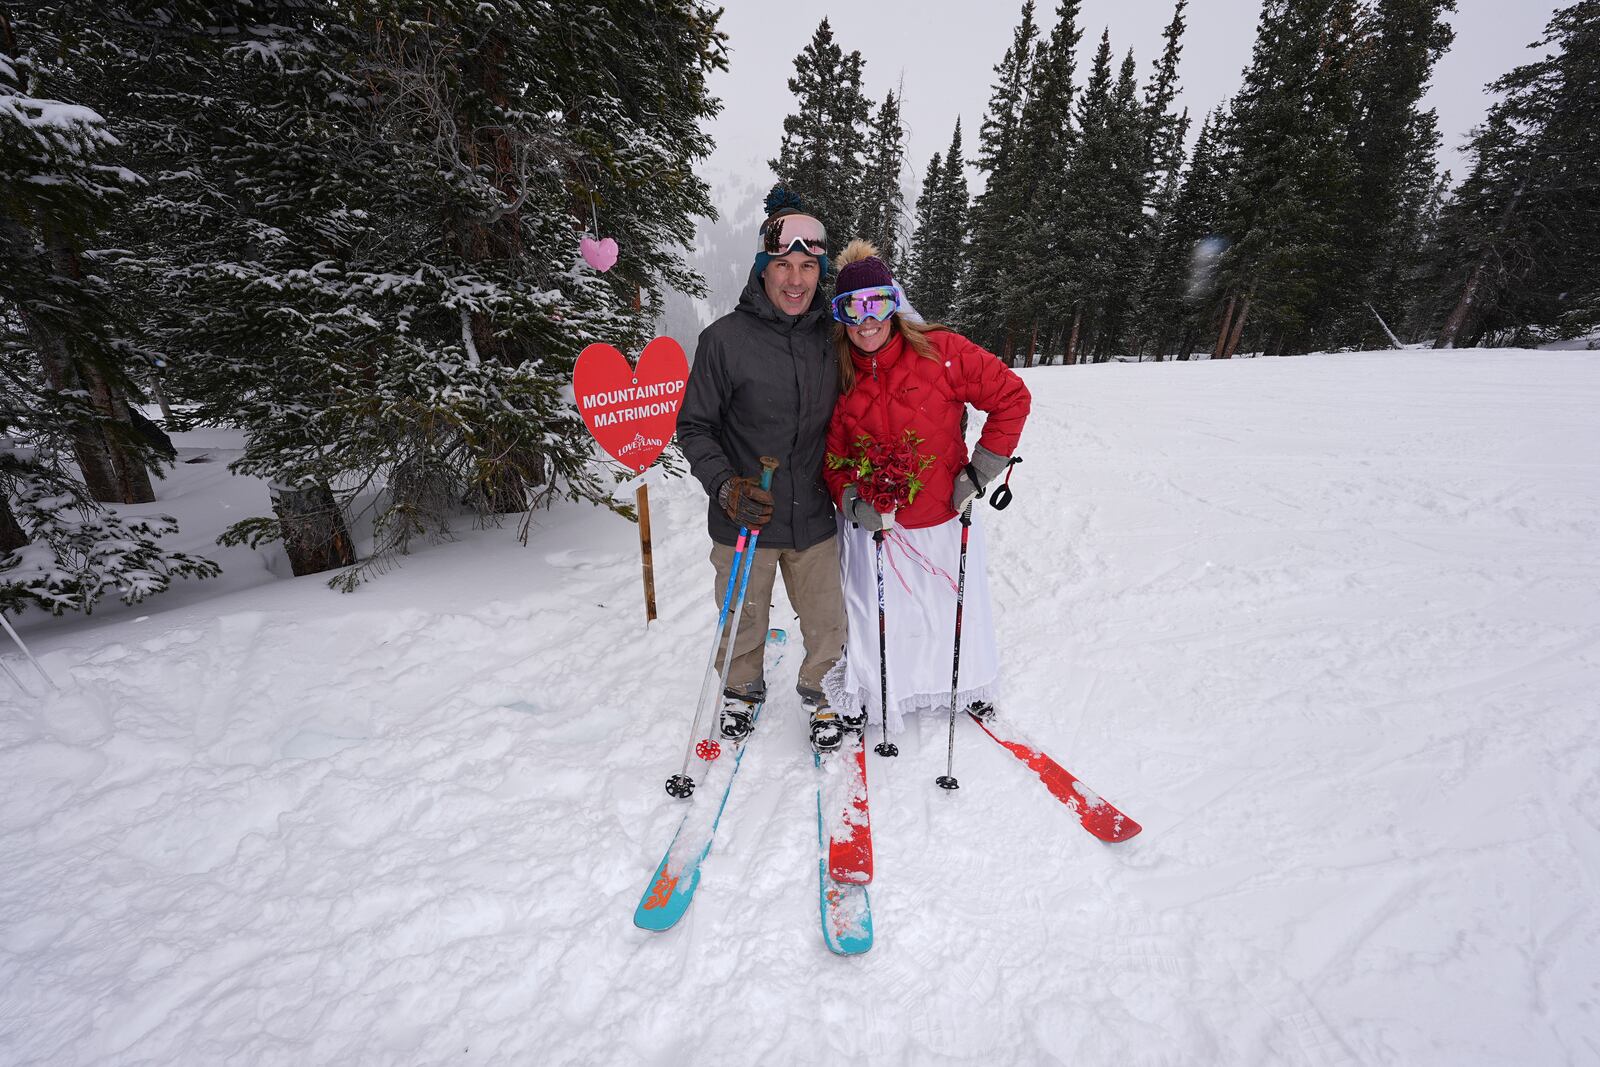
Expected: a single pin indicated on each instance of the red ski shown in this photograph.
(849, 829)
(1098, 815)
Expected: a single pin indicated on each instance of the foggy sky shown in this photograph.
(944, 53)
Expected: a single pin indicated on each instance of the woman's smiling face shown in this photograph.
(870, 335)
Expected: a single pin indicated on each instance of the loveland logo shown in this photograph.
(631, 411)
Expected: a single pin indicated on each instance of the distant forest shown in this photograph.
(1309, 215)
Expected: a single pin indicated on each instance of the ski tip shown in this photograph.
(1114, 830)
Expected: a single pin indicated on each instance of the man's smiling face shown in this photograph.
(791, 282)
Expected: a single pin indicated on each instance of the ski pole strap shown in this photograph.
(1002, 494)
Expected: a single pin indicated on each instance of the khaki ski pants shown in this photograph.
(811, 578)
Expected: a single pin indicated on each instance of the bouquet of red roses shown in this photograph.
(887, 475)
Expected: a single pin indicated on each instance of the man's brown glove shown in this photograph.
(746, 502)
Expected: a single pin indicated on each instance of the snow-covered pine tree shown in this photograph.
(1393, 144)
(1101, 207)
(1289, 267)
(69, 437)
(922, 220)
(941, 237)
(59, 186)
(882, 201)
(1165, 132)
(1124, 226)
(1181, 280)
(1043, 153)
(60, 549)
(822, 153)
(1516, 254)
(983, 309)
(375, 212)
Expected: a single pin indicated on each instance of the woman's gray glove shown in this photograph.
(987, 466)
(862, 513)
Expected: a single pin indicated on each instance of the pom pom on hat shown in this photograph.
(780, 198)
(860, 268)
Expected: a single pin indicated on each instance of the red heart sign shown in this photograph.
(631, 411)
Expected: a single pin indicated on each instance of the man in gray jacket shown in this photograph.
(763, 383)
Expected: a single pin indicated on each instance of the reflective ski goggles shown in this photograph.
(794, 233)
(859, 305)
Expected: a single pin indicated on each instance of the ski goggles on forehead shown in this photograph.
(794, 233)
(859, 305)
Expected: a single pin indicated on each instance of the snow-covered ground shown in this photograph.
(1328, 627)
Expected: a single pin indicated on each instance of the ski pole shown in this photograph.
(18, 639)
(884, 747)
(681, 785)
(948, 779)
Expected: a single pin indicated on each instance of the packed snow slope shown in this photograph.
(1328, 627)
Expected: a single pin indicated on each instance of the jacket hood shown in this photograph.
(754, 301)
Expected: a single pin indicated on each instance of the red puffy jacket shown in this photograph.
(897, 390)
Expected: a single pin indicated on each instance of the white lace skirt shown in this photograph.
(920, 570)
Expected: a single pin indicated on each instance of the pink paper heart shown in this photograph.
(601, 255)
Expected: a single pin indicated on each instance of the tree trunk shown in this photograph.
(1222, 335)
(1238, 326)
(112, 473)
(314, 534)
(1072, 340)
(1458, 314)
(11, 535)
(1388, 331)
(1008, 354)
(161, 397)
(1033, 344)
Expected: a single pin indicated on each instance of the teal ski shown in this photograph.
(671, 888)
(846, 908)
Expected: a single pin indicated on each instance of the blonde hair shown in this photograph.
(914, 331)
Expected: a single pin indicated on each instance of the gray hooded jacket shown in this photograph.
(763, 384)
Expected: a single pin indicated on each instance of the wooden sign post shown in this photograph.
(632, 412)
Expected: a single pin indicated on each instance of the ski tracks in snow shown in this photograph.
(1326, 627)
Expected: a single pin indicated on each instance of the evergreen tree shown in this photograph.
(984, 308)
(1126, 225)
(1291, 187)
(824, 141)
(1392, 146)
(882, 202)
(1044, 148)
(59, 188)
(1163, 161)
(1165, 130)
(66, 360)
(1100, 207)
(926, 212)
(1516, 254)
(941, 237)
(359, 243)
(1181, 281)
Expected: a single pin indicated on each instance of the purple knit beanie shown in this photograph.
(867, 273)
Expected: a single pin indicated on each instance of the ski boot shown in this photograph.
(827, 728)
(981, 710)
(738, 717)
(854, 721)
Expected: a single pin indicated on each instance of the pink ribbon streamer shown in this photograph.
(893, 538)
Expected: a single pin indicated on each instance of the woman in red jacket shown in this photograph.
(898, 463)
